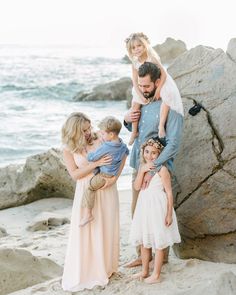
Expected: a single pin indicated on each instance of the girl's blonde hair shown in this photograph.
(143, 39)
(72, 134)
(150, 142)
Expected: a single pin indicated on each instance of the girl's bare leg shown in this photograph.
(134, 134)
(163, 117)
(145, 255)
(155, 276)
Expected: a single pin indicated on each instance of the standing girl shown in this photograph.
(140, 51)
(154, 224)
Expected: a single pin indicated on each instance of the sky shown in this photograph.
(106, 23)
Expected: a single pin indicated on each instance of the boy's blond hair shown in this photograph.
(110, 124)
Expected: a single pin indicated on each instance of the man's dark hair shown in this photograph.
(149, 68)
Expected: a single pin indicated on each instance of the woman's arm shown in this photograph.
(76, 172)
(135, 84)
(166, 181)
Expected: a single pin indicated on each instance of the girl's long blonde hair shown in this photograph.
(150, 142)
(143, 39)
(72, 134)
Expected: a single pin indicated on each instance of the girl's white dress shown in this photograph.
(169, 92)
(148, 225)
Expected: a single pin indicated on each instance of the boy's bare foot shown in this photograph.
(85, 220)
(140, 276)
(153, 279)
(134, 263)
(132, 138)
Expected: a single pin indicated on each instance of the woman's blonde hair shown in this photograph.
(72, 134)
(150, 142)
(143, 39)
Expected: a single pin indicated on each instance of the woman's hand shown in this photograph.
(168, 219)
(105, 160)
(109, 181)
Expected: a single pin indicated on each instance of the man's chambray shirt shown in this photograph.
(148, 128)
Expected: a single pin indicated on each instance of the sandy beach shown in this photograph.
(32, 256)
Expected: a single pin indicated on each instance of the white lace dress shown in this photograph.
(169, 92)
(148, 225)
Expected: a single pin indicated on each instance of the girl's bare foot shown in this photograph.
(153, 279)
(85, 220)
(140, 275)
(132, 138)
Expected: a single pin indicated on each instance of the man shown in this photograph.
(148, 80)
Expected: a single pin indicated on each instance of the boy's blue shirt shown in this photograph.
(117, 150)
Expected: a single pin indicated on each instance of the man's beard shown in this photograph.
(149, 94)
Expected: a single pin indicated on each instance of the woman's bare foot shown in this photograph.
(132, 138)
(140, 275)
(153, 279)
(85, 220)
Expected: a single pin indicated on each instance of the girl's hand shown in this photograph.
(105, 160)
(168, 220)
(147, 167)
(109, 181)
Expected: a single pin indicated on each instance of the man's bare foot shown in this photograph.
(132, 138)
(134, 263)
(140, 276)
(153, 279)
(85, 220)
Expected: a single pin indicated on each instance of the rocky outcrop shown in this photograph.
(46, 221)
(167, 51)
(206, 164)
(19, 269)
(170, 49)
(43, 176)
(115, 90)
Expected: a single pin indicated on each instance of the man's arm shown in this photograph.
(131, 116)
(174, 129)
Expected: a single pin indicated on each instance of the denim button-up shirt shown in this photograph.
(117, 150)
(148, 128)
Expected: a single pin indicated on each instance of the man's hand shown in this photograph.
(146, 180)
(132, 116)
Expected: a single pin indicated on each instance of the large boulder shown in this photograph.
(115, 90)
(19, 269)
(206, 164)
(42, 176)
(170, 49)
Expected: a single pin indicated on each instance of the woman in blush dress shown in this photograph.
(93, 251)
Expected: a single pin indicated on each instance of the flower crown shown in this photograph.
(137, 35)
(152, 142)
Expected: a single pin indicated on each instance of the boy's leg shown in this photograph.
(88, 198)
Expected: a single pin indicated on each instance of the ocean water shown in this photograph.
(37, 85)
